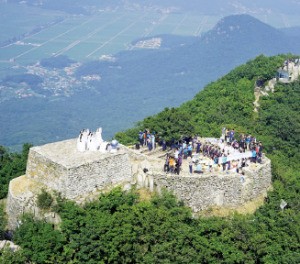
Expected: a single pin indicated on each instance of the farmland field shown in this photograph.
(18, 19)
(85, 38)
(88, 37)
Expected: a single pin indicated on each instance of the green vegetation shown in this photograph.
(12, 165)
(9, 257)
(121, 228)
(44, 200)
(39, 237)
(228, 101)
(2, 222)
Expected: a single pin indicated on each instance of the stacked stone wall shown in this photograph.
(14, 207)
(76, 176)
(43, 170)
(101, 175)
(108, 171)
(259, 179)
(81, 176)
(201, 192)
(21, 199)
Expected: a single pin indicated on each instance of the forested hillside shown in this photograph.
(124, 228)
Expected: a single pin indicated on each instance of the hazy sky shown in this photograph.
(203, 6)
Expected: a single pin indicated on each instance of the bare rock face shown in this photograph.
(6, 244)
(291, 70)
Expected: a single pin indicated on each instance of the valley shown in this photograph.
(65, 71)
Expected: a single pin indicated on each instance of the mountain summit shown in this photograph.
(237, 25)
(245, 34)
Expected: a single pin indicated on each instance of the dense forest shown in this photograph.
(126, 228)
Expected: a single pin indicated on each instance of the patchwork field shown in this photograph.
(88, 37)
(84, 38)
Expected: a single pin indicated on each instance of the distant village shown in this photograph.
(51, 82)
(55, 81)
(63, 82)
(152, 43)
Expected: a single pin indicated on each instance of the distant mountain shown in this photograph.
(197, 6)
(291, 31)
(141, 82)
(250, 35)
(182, 66)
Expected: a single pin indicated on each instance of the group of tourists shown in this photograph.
(245, 142)
(173, 163)
(219, 153)
(234, 155)
(146, 139)
(182, 150)
(229, 153)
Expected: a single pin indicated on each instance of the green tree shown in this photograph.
(44, 200)
(2, 221)
(40, 242)
(9, 257)
(12, 165)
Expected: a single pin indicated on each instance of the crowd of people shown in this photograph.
(146, 138)
(228, 154)
(245, 142)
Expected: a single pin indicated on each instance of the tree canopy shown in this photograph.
(12, 165)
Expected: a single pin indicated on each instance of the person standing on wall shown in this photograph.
(190, 161)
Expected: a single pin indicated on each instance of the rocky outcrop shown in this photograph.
(6, 244)
(292, 69)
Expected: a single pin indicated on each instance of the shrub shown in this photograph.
(44, 200)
